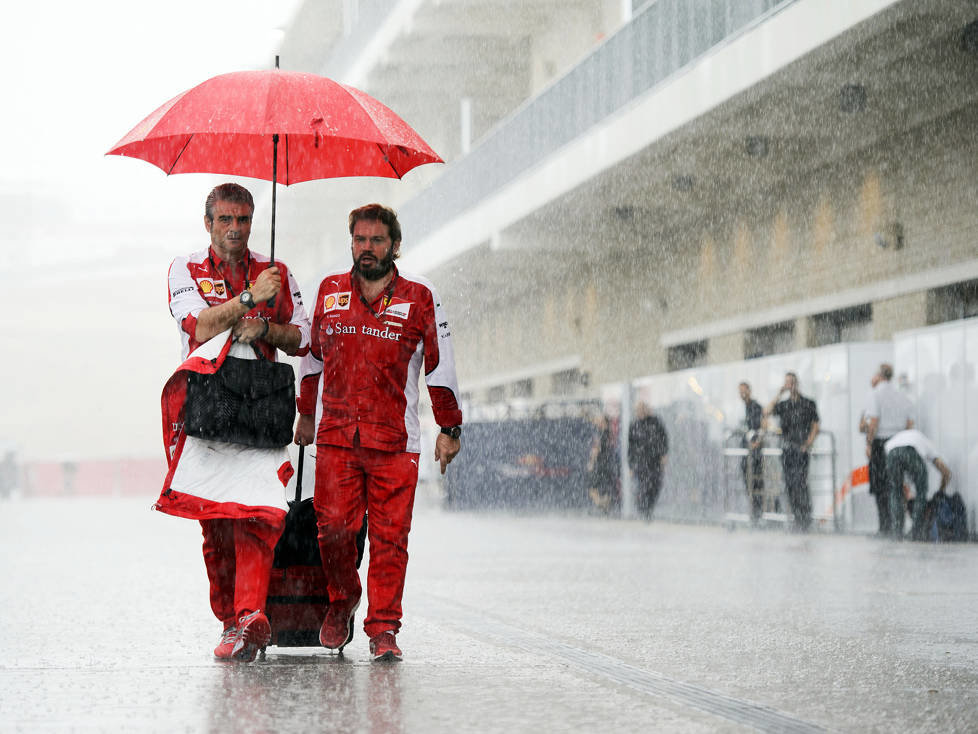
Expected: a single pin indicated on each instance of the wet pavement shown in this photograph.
(515, 624)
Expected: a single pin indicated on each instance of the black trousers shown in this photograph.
(794, 462)
(649, 485)
(754, 481)
(905, 461)
(878, 486)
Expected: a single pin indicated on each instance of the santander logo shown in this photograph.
(341, 328)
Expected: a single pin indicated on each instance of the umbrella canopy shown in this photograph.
(316, 128)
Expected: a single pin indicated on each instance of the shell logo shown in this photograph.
(329, 302)
(206, 286)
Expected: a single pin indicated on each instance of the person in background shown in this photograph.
(889, 412)
(906, 454)
(799, 428)
(602, 465)
(648, 447)
(752, 465)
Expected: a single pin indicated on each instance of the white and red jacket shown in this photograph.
(212, 479)
(203, 279)
(364, 362)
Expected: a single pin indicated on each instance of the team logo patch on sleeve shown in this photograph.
(336, 301)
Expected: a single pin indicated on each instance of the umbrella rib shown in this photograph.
(180, 154)
(387, 158)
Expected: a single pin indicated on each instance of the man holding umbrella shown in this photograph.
(373, 327)
(234, 490)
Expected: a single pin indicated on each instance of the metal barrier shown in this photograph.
(775, 506)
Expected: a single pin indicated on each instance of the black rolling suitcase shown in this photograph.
(297, 597)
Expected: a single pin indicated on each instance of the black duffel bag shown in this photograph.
(247, 401)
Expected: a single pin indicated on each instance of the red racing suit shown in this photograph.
(360, 380)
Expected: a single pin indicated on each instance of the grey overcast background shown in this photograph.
(87, 238)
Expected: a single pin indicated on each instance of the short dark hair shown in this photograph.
(886, 371)
(745, 384)
(378, 213)
(232, 192)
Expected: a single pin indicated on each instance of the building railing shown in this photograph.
(661, 39)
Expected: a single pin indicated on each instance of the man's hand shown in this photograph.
(267, 284)
(305, 430)
(248, 331)
(446, 449)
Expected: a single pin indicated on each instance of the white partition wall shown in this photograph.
(701, 406)
(937, 365)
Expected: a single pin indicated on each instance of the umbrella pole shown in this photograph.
(274, 181)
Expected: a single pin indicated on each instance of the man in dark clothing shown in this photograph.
(889, 412)
(799, 427)
(648, 446)
(752, 465)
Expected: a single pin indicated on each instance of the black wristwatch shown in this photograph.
(453, 431)
(247, 299)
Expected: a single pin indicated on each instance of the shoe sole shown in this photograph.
(388, 657)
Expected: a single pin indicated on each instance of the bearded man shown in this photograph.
(374, 328)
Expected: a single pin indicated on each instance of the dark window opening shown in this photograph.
(952, 302)
(568, 382)
(684, 356)
(845, 325)
(521, 389)
(773, 339)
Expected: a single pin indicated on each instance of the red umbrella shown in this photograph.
(276, 125)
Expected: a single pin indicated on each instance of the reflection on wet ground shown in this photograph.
(511, 624)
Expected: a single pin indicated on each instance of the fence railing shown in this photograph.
(738, 484)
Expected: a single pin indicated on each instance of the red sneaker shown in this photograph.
(384, 647)
(254, 632)
(337, 629)
(226, 645)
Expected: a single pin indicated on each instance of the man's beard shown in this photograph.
(377, 271)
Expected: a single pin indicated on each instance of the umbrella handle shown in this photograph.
(274, 182)
(271, 301)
